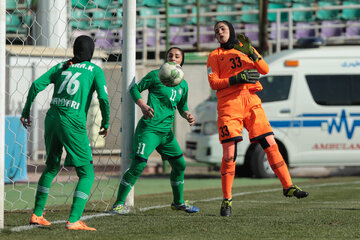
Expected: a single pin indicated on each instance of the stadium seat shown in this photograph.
(118, 22)
(327, 14)
(304, 21)
(204, 36)
(252, 31)
(80, 20)
(203, 20)
(223, 11)
(250, 1)
(273, 15)
(250, 17)
(303, 1)
(350, 13)
(152, 3)
(352, 28)
(207, 2)
(11, 4)
(177, 21)
(352, 16)
(104, 39)
(181, 2)
(303, 16)
(80, 4)
(13, 24)
(280, 1)
(76, 33)
(329, 18)
(26, 18)
(101, 19)
(283, 33)
(305, 30)
(328, 30)
(104, 4)
(145, 12)
(175, 35)
(227, 1)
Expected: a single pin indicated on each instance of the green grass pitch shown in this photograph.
(260, 211)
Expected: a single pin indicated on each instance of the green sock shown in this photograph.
(82, 191)
(129, 179)
(43, 188)
(177, 179)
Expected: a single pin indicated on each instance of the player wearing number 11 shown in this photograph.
(65, 126)
(154, 132)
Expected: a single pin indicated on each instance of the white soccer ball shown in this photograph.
(171, 74)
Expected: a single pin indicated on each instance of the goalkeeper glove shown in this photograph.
(246, 76)
(246, 47)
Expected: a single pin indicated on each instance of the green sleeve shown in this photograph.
(182, 105)
(101, 90)
(145, 83)
(37, 86)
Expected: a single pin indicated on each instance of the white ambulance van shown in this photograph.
(312, 100)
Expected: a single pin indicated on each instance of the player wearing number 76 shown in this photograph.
(75, 81)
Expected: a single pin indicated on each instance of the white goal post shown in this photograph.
(2, 108)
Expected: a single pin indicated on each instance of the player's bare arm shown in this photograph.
(145, 109)
(189, 117)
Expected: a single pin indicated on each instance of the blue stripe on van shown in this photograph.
(332, 124)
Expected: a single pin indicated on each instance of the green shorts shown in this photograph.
(147, 140)
(60, 133)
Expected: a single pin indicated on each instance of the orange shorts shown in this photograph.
(238, 111)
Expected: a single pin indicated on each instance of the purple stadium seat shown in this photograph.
(104, 39)
(176, 38)
(76, 33)
(283, 33)
(204, 37)
(351, 28)
(328, 31)
(252, 31)
(305, 33)
(151, 36)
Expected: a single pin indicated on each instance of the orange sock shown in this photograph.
(278, 165)
(227, 177)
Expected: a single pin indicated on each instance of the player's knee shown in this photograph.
(178, 164)
(267, 141)
(137, 167)
(52, 169)
(229, 158)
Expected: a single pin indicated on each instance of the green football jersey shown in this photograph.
(73, 90)
(164, 100)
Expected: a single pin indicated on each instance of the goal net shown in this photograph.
(39, 34)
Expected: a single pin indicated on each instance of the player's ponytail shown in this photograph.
(67, 64)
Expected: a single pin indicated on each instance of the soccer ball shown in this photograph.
(171, 74)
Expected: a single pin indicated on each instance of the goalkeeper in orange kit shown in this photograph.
(233, 70)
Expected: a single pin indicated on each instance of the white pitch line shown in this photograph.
(28, 227)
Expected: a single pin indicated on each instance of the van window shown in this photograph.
(276, 88)
(335, 89)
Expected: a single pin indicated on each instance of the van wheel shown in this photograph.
(259, 163)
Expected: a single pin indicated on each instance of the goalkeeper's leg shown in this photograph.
(82, 191)
(129, 179)
(280, 168)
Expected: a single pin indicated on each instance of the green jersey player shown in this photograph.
(154, 132)
(65, 126)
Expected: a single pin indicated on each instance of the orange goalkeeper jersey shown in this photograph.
(224, 63)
